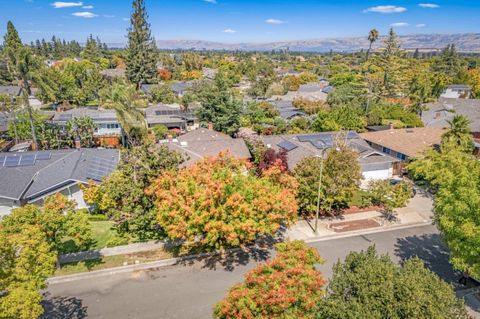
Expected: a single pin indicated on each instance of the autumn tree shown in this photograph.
(271, 158)
(367, 285)
(218, 204)
(121, 196)
(341, 177)
(26, 261)
(141, 48)
(288, 286)
(57, 219)
(454, 175)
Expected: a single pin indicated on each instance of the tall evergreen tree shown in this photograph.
(391, 64)
(141, 49)
(11, 44)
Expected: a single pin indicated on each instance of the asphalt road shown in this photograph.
(190, 291)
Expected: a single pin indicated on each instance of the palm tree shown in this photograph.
(459, 132)
(126, 100)
(372, 37)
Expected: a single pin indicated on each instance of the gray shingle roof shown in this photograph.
(445, 109)
(97, 115)
(311, 144)
(65, 167)
(167, 115)
(11, 90)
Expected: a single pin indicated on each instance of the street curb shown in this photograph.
(175, 261)
(369, 232)
(128, 268)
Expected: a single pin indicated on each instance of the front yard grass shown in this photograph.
(112, 261)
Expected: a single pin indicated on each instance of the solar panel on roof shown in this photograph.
(287, 145)
(100, 168)
(27, 160)
(43, 156)
(12, 161)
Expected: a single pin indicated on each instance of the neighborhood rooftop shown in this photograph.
(27, 176)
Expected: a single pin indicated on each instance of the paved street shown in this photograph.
(190, 291)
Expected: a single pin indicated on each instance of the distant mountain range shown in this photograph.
(469, 42)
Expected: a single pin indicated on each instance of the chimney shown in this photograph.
(391, 126)
(78, 145)
(170, 138)
(210, 126)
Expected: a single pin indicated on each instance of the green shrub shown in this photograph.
(117, 241)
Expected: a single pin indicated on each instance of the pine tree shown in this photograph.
(11, 44)
(391, 64)
(141, 49)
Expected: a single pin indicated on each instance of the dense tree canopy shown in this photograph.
(367, 285)
(217, 203)
(288, 286)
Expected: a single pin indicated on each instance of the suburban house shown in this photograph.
(179, 88)
(286, 109)
(438, 114)
(11, 90)
(172, 116)
(374, 164)
(201, 143)
(29, 177)
(108, 131)
(404, 144)
(457, 91)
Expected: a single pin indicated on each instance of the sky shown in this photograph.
(235, 21)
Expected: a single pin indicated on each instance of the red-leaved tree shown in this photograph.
(288, 286)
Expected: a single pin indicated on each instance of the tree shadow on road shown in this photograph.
(432, 250)
(63, 308)
(230, 259)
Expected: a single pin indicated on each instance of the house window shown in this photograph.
(401, 156)
(386, 150)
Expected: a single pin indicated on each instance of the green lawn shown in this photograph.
(103, 236)
(102, 233)
(112, 261)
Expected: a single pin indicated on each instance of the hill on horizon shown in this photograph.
(467, 42)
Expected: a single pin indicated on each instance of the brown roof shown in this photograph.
(411, 141)
(202, 143)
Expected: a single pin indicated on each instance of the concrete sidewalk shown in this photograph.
(419, 211)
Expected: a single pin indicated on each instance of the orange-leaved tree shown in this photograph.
(219, 203)
(288, 286)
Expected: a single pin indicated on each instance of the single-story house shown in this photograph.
(29, 177)
(375, 165)
(286, 109)
(107, 123)
(201, 143)
(438, 114)
(457, 91)
(179, 88)
(11, 90)
(172, 116)
(404, 144)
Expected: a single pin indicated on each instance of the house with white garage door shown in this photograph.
(29, 177)
(374, 164)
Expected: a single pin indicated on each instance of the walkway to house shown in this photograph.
(417, 212)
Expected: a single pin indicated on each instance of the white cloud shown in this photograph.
(126, 19)
(399, 24)
(420, 25)
(108, 16)
(60, 4)
(229, 31)
(211, 1)
(274, 21)
(85, 14)
(429, 5)
(87, 7)
(386, 9)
